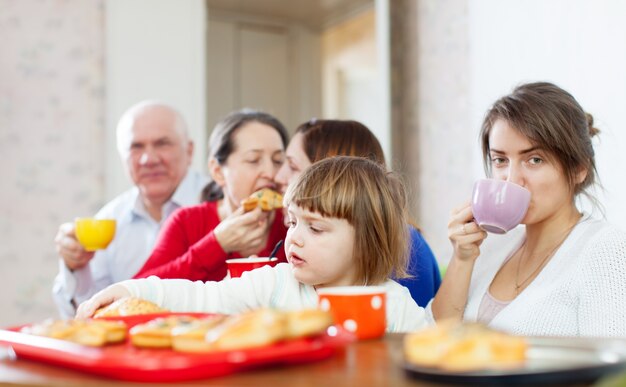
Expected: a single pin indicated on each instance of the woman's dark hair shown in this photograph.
(552, 119)
(328, 138)
(322, 139)
(221, 143)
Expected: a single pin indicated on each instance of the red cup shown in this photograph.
(237, 266)
(358, 309)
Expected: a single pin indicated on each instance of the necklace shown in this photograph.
(518, 284)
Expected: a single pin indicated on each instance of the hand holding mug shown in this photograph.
(73, 253)
(464, 233)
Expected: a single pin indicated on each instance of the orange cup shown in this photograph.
(358, 309)
(237, 266)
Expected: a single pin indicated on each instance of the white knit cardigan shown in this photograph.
(580, 292)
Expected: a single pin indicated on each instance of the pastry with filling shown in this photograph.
(461, 347)
(128, 306)
(258, 328)
(192, 337)
(157, 333)
(253, 329)
(265, 198)
(86, 332)
(307, 322)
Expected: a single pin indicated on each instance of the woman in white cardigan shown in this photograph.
(563, 273)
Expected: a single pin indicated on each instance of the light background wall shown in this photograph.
(350, 75)
(154, 50)
(60, 98)
(51, 140)
(55, 117)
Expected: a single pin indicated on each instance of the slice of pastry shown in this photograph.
(308, 322)
(192, 337)
(265, 198)
(249, 330)
(464, 347)
(86, 332)
(157, 333)
(129, 306)
(115, 331)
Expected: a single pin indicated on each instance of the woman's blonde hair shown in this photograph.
(371, 199)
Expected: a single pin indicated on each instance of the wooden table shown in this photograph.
(366, 363)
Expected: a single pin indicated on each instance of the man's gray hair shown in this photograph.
(128, 118)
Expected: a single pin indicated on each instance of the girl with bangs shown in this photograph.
(347, 226)
(316, 140)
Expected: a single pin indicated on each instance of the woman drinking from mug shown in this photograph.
(562, 274)
(246, 149)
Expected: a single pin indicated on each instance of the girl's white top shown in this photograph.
(273, 287)
(580, 292)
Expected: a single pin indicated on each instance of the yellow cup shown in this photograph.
(94, 234)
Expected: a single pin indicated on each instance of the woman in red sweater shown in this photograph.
(246, 149)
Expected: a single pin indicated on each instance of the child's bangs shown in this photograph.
(325, 191)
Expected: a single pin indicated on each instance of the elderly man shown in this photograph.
(156, 151)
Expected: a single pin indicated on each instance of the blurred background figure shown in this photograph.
(156, 153)
(316, 140)
(246, 149)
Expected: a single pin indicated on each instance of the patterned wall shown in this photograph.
(51, 136)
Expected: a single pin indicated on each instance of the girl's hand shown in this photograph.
(100, 299)
(243, 231)
(464, 233)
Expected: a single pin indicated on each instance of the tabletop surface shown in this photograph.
(364, 363)
(367, 363)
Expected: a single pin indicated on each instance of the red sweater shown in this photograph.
(187, 247)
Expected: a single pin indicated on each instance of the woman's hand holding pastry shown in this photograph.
(464, 233)
(243, 231)
(100, 299)
(68, 247)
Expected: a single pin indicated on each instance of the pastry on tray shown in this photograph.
(257, 328)
(308, 322)
(265, 198)
(157, 333)
(191, 337)
(95, 333)
(461, 347)
(248, 330)
(128, 306)
(253, 329)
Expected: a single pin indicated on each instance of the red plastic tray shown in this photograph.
(126, 362)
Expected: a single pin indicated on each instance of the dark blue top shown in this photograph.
(424, 270)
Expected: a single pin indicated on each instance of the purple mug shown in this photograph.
(499, 205)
